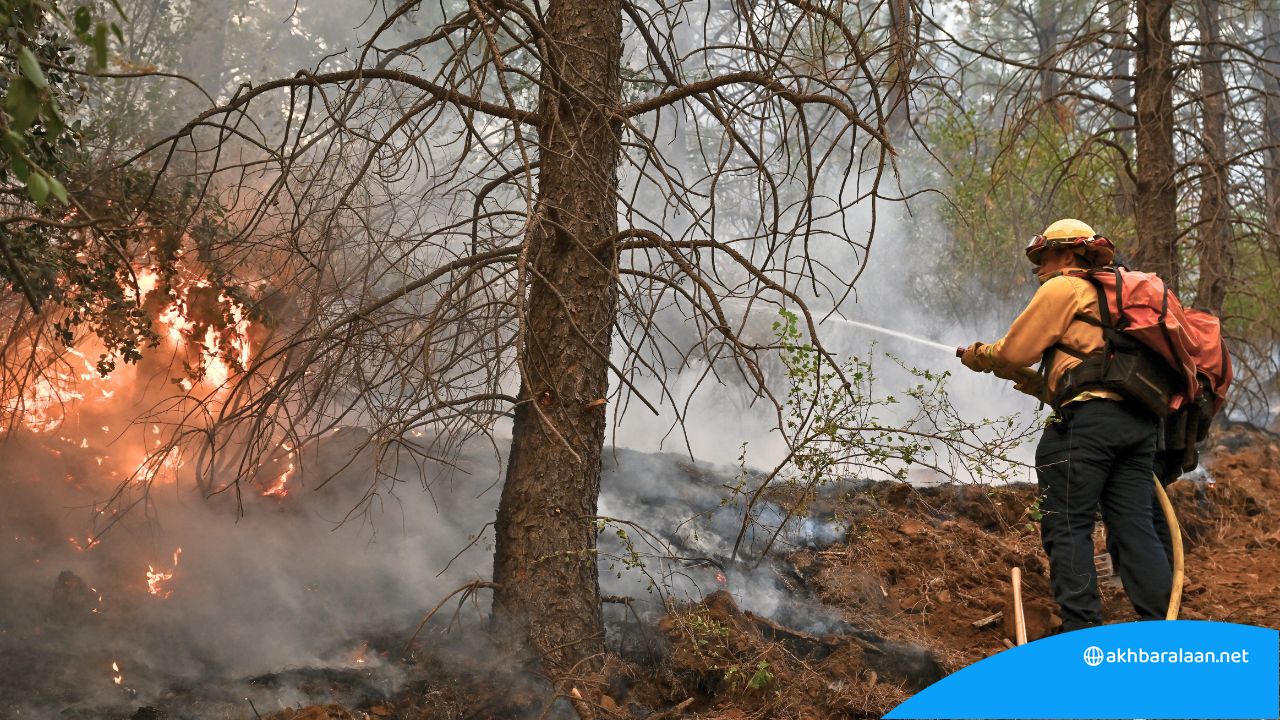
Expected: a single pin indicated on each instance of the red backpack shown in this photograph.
(1190, 341)
(1171, 359)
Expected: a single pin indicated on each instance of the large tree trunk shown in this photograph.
(1271, 110)
(1156, 201)
(545, 559)
(1048, 13)
(1213, 248)
(1122, 97)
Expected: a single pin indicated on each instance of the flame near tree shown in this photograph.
(75, 403)
(206, 330)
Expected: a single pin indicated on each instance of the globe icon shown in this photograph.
(1093, 656)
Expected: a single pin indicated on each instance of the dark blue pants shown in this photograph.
(1101, 453)
(1163, 531)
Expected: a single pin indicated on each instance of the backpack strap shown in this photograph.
(1120, 321)
(1070, 351)
(1104, 308)
(1104, 322)
(1046, 362)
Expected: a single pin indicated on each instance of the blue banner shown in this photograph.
(1174, 669)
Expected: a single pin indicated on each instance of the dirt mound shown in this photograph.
(931, 566)
(1233, 556)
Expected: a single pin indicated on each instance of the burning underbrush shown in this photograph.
(141, 569)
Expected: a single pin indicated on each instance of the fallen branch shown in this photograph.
(673, 712)
(803, 643)
(466, 591)
(988, 620)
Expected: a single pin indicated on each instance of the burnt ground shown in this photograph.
(917, 588)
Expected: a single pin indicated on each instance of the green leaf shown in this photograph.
(115, 30)
(31, 67)
(761, 678)
(84, 20)
(99, 45)
(12, 141)
(20, 168)
(57, 189)
(22, 103)
(37, 188)
(54, 125)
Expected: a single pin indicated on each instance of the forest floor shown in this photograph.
(928, 567)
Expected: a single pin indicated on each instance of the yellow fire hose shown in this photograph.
(1175, 534)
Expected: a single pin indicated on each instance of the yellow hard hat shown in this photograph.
(1071, 233)
(1067, 229)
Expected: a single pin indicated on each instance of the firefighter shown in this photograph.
(1097, 449)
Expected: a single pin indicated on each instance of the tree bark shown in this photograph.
(1156, 199)
(1048, 13)
(1122, 96)
(1271, 111)
(1213, 247)
(545, 558)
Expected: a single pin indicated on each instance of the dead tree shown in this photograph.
(490, 219)
(1270, 77)
(1156, 195)
(545, 562)
(1121, 90)
(1214, 237)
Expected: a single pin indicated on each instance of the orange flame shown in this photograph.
(89, 543)
(71, 380)
(278, 488)
(156, 580)
(214, 348)
(361, 655)
(119, 676)
(151, 466)
(44, 405)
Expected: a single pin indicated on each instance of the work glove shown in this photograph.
(977, 357)
(1030, 382)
